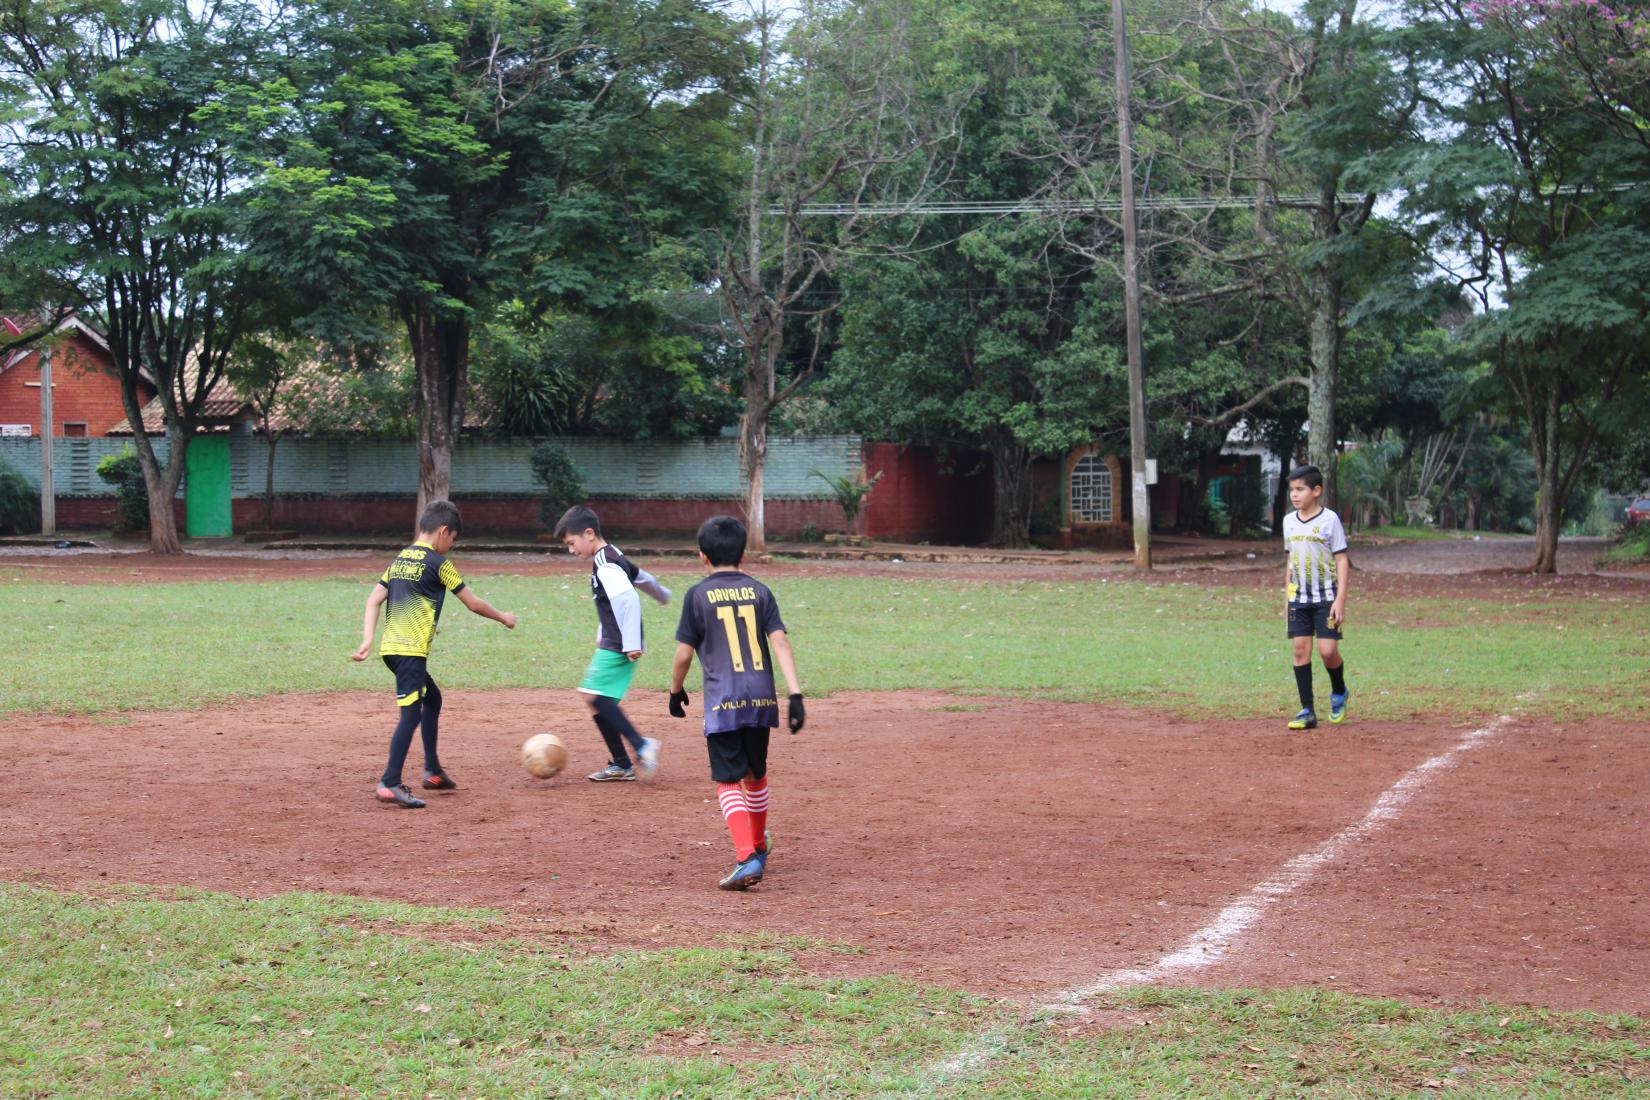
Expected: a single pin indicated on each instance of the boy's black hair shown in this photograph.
(1311, 475)
(576, 520)
(439, 514)
(722, 540)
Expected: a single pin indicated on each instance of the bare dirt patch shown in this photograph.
(1022, 849)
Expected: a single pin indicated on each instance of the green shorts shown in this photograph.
(609, 674)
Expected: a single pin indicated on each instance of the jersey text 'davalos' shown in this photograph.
(1312, 546)
(418, 580)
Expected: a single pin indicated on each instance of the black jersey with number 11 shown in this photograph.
(727, 618)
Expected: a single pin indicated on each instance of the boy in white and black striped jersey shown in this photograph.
(614, 582)
(1316, 583)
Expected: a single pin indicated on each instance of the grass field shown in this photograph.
(1185, 648)
(141, 994)
(146, 993)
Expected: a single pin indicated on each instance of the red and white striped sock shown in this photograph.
(738, 818)
(756, 801)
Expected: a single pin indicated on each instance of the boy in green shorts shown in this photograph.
(412, 590)
(614, 580)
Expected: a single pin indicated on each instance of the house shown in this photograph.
(85, 388)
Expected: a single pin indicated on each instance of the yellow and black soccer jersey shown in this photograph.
(419, 580)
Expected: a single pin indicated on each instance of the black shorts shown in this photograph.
(738, 753)
(1307, 619)
(412, 677)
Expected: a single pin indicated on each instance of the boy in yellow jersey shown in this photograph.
(412, 590)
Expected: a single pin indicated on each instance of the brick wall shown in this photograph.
(518, 517)
(927, 495)
(84, 389)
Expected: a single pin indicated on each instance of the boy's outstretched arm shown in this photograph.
(369, 621)
(481, 607)
(780, 644)
(648, 583)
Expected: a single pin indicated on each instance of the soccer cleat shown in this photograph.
(745, 873)
(400, 795)
(613, 774)
(647, 757)
(1305, 720)
(1337, 707)
(439, 781)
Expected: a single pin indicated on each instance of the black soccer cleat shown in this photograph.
(439, 781)
(400, 795)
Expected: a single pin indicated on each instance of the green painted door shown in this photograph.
(206, 488)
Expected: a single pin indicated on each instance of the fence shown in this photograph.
(611, 469)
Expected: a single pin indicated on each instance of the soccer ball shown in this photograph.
(543, 755)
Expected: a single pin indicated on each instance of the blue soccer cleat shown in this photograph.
(746, 873)
(1305, 720)
(1337, 707)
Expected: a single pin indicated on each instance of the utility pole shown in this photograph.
(1131, 298)
(48, 490)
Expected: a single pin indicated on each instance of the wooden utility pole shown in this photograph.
(1131, 298)
(48, 490)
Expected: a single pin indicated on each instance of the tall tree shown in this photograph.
(118, 179)
(1535, 203)
(835, 113)
(431, 160)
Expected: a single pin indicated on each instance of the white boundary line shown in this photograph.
(1209, 944)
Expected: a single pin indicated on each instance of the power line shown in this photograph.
(1044, 206)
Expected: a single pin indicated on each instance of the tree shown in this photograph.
(262, 372)
(1320, 113)
(835, 113)
(118, 185)
(1536, 195)
(427, 163)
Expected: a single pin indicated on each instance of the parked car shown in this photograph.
(1638, 512)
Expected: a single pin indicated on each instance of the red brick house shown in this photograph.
(85, 387)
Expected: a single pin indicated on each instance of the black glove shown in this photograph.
(794, 714)
(678, 704)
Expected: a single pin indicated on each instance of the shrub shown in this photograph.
(125, 473)
(553, 468)
(850, 491)
(1633, 547)
(19, 503)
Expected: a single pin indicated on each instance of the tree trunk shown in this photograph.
(1326, 338)
(441, 355)
(1011, 504)
(162, 485)
(1544, 442)
(753, 456)
(269, 478)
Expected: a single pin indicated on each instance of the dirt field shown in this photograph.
(1014, 849)
(1008, 847)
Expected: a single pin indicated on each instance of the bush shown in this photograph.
(1633, 547)
(125, 473)
(19, 503)
(553, 468)
(850, 491)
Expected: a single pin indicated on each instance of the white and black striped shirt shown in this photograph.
(1312, 545)
(614, 580)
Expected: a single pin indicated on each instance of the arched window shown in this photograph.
(1091, 490)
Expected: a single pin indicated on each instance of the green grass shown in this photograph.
(1438, 534)
(1633, 549)
(205, 995)
(1182, 648)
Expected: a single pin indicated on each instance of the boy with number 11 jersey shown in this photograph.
(732, 622)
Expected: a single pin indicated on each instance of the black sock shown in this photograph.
(400, 742)
(1303, 684)
(615, 743)
(430, 725)
(1337, 678)
(608, 708)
